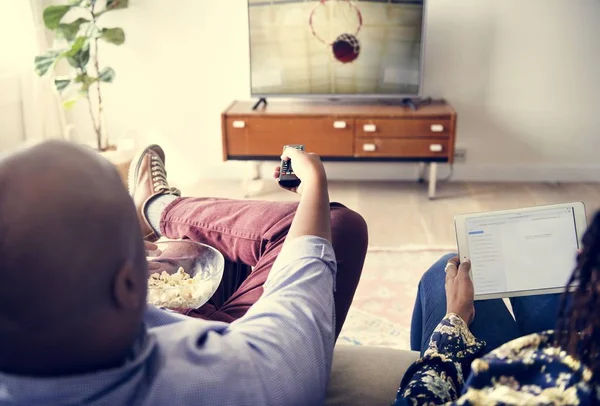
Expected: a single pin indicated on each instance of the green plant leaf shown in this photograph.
(44, 62)
(69, 31)
(53, 15)
(116, 4)
(107, 75)
(69, 104)
(62, 83)
(86, 81)
(81, 57)
(77, 46)
(113, 35)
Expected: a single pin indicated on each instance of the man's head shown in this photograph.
(72, 264)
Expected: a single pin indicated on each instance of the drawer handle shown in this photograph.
(369, 147)
(436, 148)
(340, 125)
(239, 124)
(437, 128)
(370, 128)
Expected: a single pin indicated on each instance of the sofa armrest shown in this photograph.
(363, 375)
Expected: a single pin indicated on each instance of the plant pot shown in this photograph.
(121, 159)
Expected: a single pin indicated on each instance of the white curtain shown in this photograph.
(24, 36)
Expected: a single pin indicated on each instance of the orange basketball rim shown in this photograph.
(336, 23)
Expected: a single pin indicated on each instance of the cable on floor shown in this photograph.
(450, 174)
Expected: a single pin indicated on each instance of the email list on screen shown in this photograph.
(523, 251)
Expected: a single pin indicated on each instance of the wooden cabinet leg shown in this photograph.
(252, 184)
(422, 166)
(253, 170)
(432, 179)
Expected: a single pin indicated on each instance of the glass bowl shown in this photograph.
(183, 274)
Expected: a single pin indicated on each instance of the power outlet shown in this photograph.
(460, 155)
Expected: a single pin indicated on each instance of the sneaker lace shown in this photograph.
(159, 177)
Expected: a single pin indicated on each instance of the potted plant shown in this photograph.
(78, 45)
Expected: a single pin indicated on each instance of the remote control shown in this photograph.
(287, 178)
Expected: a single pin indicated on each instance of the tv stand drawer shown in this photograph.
(401, 148)
(266, 136)
(403, 128)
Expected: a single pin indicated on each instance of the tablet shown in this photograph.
(521, 252)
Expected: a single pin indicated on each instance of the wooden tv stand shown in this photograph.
(343, 132)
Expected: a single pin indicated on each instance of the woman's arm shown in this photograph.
(438, 376)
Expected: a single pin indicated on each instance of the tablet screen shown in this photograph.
(522, 251)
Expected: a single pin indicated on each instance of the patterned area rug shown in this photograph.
(381, 312)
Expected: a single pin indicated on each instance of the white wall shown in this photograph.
(11, 112)
(12, 58)
(523, 75)
(28, 105)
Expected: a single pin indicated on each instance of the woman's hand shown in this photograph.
(307, 167)
(460, 294)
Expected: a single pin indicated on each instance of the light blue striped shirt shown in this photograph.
(279, 353)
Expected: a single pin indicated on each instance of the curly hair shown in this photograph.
(578, 326)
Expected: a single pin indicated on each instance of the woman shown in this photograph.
(551, 367)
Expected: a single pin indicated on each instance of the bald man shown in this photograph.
(73, 320)
(72, 264)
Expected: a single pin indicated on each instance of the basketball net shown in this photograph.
(332, 18)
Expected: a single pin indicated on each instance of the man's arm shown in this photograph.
(313, 214)
(280, 351)
(156, 317)
(290, 332)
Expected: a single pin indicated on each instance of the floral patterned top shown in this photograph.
(528, 370)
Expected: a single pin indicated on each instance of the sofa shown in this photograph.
(363, 375)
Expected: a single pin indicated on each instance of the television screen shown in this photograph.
(336, 47)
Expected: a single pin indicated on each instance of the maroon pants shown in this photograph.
(251, 234)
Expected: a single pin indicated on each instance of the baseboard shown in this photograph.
(386, 171)
(567, 173)
(469, 172)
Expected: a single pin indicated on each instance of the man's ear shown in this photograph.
(127, 289)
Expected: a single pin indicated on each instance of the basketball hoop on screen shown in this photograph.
(336, 23)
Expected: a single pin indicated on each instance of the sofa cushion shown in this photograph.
(363, 375)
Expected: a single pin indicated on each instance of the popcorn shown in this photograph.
(180, 290)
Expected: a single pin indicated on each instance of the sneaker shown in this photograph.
(147, 180)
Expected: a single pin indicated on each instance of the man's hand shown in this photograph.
(460, 294)
(150, 247)
(312, 216)
(307, 167)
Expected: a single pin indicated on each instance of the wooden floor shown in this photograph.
(399, 213)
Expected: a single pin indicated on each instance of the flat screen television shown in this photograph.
(336, 48)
